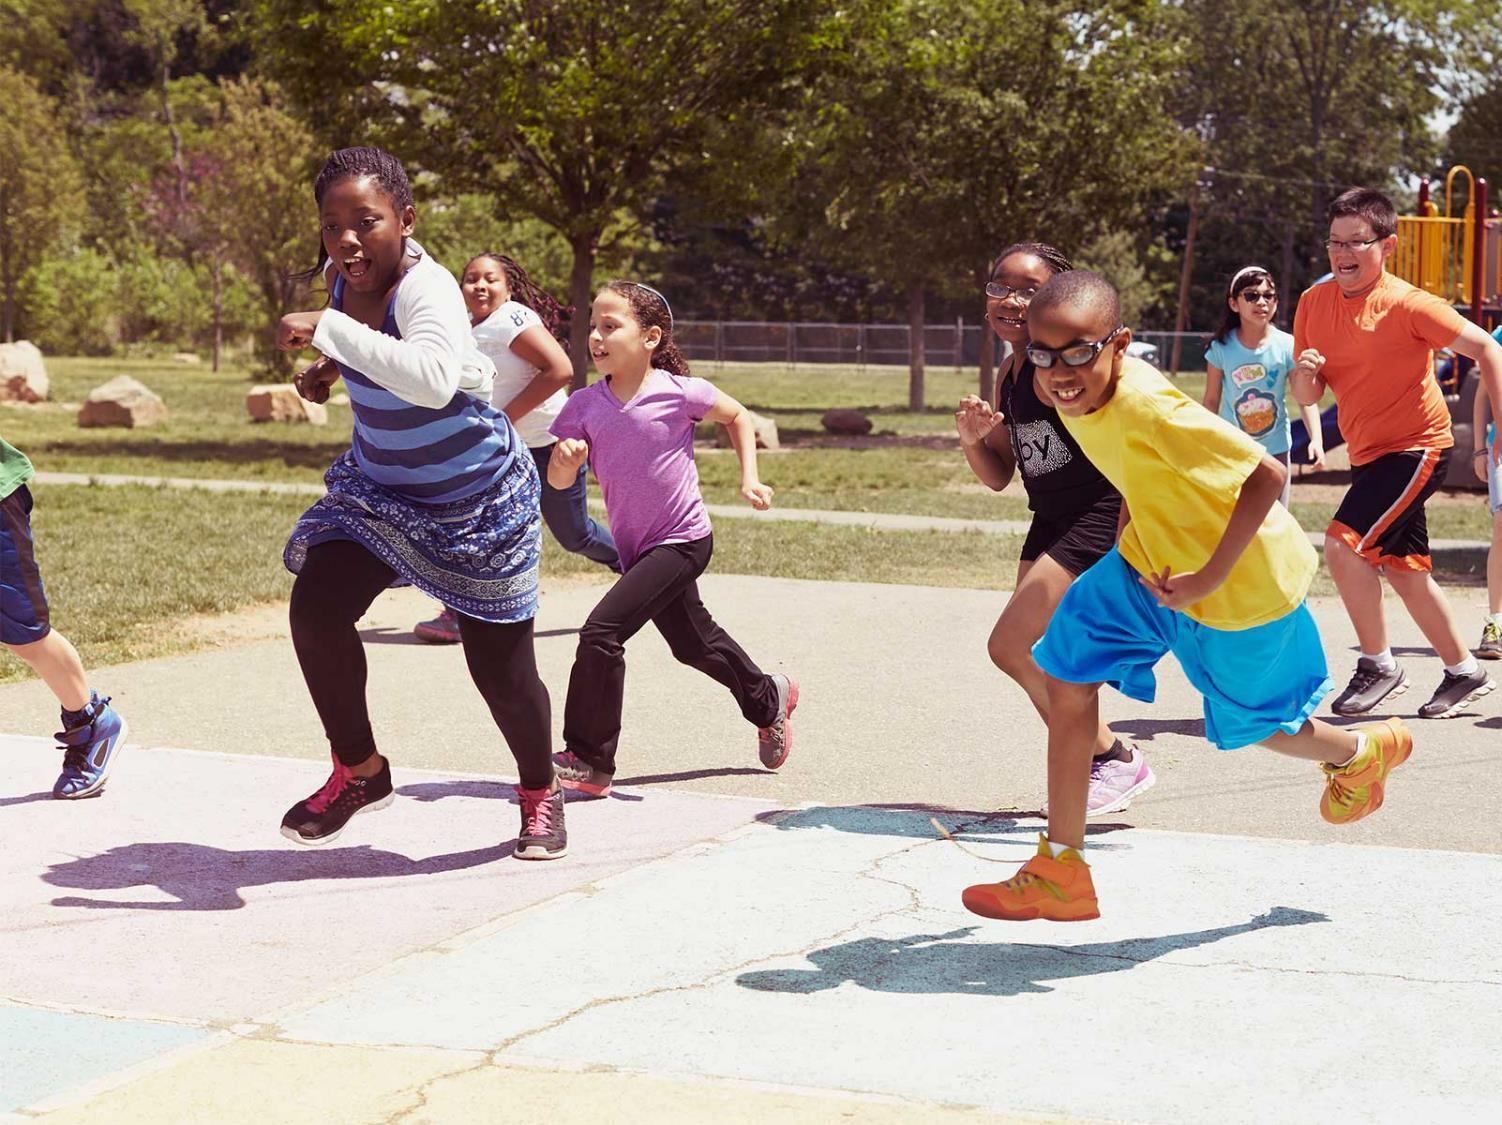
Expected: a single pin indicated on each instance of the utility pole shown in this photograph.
(1181, 317)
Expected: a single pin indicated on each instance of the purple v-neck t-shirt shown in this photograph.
(642, 453)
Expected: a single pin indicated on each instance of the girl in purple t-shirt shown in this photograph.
(636, 428)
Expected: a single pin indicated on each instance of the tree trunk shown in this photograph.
(1286, 283)
(580, 294)
(164, 46)
(915, 347)
(216, 272)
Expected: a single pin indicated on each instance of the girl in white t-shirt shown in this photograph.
(519, 326)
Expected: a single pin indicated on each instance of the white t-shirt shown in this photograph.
(512, 373)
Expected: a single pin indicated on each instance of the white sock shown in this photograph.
(1383, 660)
(1057, 849)
(1467, 667)
(1495, 619)
(1360, 746)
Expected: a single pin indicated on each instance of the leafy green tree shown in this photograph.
(951, 129)
(1475, 139)
(39, 183)
(574, 111)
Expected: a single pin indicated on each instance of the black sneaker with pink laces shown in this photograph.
(543, 835)
(320, 818)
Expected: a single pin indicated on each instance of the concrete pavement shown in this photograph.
(723, 941)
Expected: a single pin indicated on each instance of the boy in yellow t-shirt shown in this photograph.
(1209, 567)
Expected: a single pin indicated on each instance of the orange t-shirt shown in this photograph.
(1379, 362)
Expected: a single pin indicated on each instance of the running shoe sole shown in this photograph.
(1455, 708)
(433, 636)
(97, 787)
(584, 787)
(539, 852)
(319, 841)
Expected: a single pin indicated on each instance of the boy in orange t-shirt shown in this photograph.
(1371, 337)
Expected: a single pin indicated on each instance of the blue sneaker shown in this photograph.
(89, 749)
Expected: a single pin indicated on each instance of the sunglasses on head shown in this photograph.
(1075, 355)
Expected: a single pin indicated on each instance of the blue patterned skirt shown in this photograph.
(478, 556)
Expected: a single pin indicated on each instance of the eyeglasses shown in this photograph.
(1075, 355)
(1002, 292)
(1335, 245)
(1258, 296)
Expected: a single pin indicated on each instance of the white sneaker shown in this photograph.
(1114, 783)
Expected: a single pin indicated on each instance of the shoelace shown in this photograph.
(1490, 634)
(774, 733)
(74, 758)
(332, 789)
(539, 815)
(1363, 679)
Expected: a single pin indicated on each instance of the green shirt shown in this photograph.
(15, 469)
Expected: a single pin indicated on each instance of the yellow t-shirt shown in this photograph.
(1180, 469)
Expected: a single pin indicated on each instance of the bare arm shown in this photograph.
(1305, 379)
(563, 465)
(1259, 492)
(985, 442)
(1213, 378)
(536, 345)
(1475, 343)
(734, 417)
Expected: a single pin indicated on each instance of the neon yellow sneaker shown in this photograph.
(1055, 888)
(1356, 789)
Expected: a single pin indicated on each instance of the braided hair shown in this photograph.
(1050, 256)
(359, 163)
(554, 315)
(650, 308)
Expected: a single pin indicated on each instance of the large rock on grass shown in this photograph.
(841, 421)
(766, 432)
(123, 402)
(280, 402)
(23, 378)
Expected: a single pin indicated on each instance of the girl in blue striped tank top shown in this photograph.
(436, 491)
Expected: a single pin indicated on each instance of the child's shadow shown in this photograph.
(200, 877)
(936, 963)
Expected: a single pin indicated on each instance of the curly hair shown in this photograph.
(555, 315)
(650, 308)
(1051, 257)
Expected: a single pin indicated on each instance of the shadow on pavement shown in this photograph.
(1148, 729)
(913, 821)
(939, 963)
(26, 799)
(490, 791)
(200, 877)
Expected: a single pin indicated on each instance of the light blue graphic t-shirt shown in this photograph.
(1254, 386)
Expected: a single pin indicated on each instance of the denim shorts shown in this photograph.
(23, 602)
(1109, 629)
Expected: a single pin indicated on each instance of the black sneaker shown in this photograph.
(323, 816)
(1369, 686)
(1454, 692)
(543, 835)
(1490, 647)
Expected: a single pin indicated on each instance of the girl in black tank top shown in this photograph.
(1075, 509)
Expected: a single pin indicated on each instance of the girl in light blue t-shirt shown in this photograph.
(1247, 366)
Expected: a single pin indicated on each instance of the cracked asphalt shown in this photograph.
(725, 943)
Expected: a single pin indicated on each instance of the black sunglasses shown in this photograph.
(1258, 295)
(1075, 355)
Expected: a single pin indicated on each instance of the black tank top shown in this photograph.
(1059, 478)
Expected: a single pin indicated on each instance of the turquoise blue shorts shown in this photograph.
(1110, 630)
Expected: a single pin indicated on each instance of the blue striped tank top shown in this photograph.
(432, 456)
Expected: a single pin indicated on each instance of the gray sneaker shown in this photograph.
(1490, 647)
(774, 742)
(1369, 686)
(1454, 692)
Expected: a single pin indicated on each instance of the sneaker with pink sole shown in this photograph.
(1114, 783)
(441, 630)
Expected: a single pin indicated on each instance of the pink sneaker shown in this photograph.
(442, 630)
(1114, 783)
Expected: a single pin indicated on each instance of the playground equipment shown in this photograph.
(1457, 257)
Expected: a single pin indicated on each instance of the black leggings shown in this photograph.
(661, 587)
(334, 589)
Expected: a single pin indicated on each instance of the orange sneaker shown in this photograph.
(1054, 888)
(1356, 789)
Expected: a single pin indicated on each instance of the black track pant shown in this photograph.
(334, 589)
(660, 587)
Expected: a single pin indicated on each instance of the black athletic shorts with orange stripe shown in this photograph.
(1382, 515)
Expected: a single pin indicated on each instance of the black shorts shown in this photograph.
(1078, 540)
(1382, 515)
(23, 601)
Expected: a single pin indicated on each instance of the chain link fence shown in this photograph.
(945, 345)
